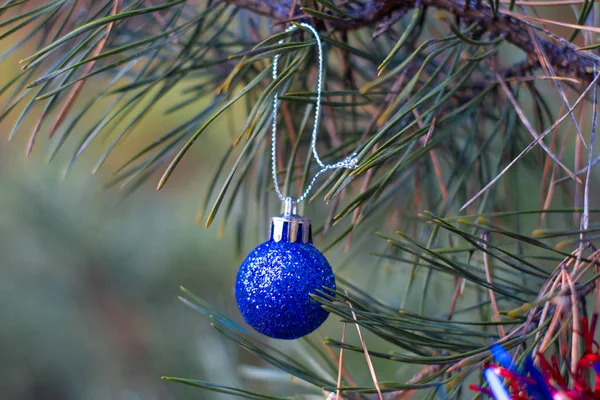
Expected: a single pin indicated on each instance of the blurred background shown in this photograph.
(88, 293)
(90, 277)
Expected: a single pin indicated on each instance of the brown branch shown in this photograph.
(562, 56)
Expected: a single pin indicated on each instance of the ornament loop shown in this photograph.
(289, 206)
(348, 163)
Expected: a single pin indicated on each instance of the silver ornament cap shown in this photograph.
(289, 226)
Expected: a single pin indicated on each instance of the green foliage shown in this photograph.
(444, 115)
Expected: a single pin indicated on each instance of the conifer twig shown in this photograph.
(562, 56)
(488, 274)
(340, 365)
(367, 357)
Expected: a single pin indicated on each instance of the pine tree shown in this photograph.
(473, 123)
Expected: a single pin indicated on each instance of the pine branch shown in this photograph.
(422, 111)
(562, 55)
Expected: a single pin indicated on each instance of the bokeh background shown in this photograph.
(90, 277)
(89, 284)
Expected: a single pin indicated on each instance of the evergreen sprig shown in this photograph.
(441, 116)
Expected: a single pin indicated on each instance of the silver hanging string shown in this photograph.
(347, 163)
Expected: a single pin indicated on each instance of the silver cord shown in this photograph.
(347, 163)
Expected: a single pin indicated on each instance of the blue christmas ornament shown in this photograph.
(276, 279)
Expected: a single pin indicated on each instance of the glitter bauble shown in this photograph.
(276, 279)
(273, 288)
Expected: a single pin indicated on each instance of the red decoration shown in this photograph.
(531, 383)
